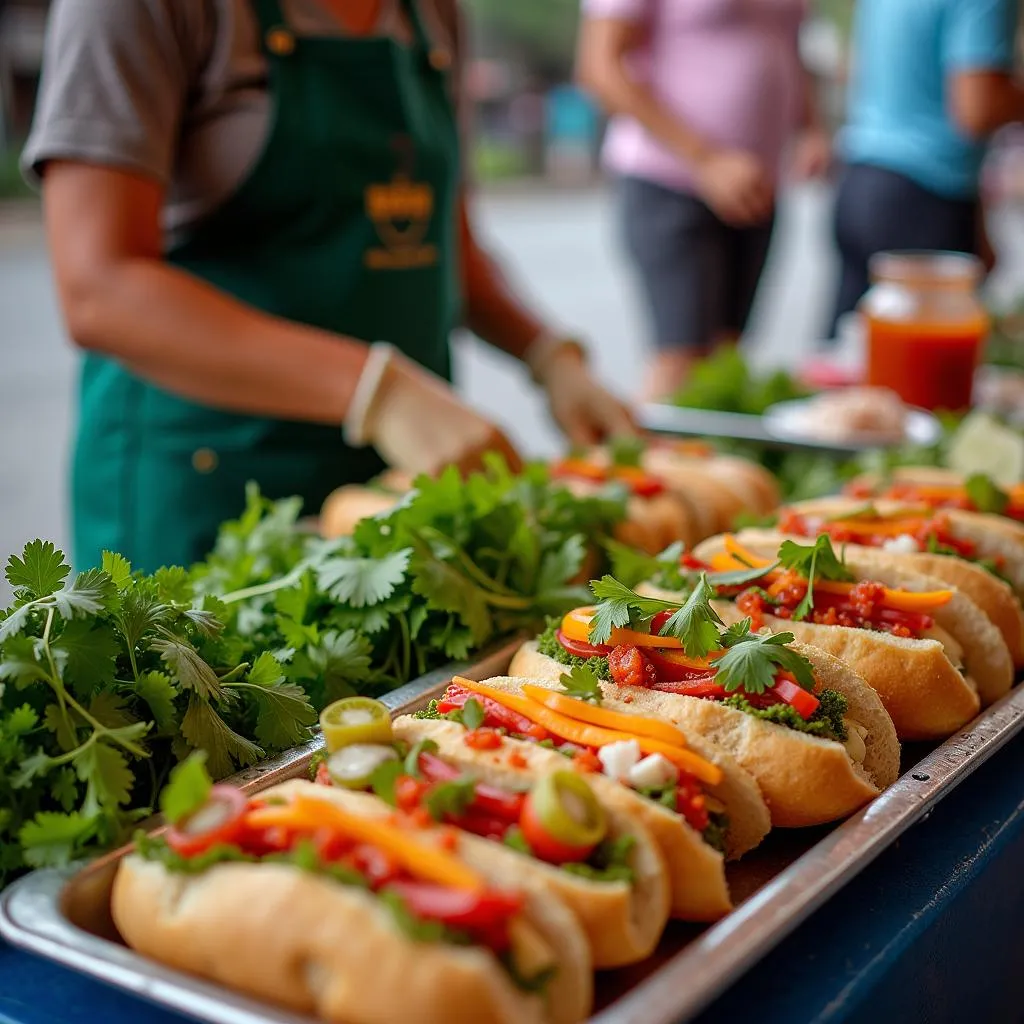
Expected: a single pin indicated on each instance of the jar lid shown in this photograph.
(924, 267)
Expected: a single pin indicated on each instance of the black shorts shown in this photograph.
(878, 210)
(699, 275)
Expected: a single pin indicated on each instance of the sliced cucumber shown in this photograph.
(983, 445)
(353, 766)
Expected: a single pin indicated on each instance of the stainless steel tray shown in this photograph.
(64, 915)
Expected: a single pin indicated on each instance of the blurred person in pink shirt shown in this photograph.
(706, 98)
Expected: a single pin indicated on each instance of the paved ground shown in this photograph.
(559, 246)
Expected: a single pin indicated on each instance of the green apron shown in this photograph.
(347, 222)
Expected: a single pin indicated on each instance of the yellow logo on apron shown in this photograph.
(400, 210)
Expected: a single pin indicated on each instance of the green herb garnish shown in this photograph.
(752, 660)
(812, 561)
(581, 681)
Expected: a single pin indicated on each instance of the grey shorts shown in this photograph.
(698, 274)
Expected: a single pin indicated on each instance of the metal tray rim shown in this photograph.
(676, 991)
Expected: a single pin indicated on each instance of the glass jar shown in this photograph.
(926, 326)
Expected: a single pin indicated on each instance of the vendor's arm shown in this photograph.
(978, 54)
(733, 182)
(117, 79)
(585, 411)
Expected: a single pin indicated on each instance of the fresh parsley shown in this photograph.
(450, 799)
(472, 714)
(412, 759)
(582, 682)
(694, 623)
(187, 790)
(752, 660)
(812, 562)
(627, 450)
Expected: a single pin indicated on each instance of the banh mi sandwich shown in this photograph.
(697, 807)
(655, 516)
(548, 828)
(941, 488)
(679, 462)
(928, 650)
(294, 898)
(952, 546)
(809, 730)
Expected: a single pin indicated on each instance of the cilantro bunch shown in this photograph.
(108, 679)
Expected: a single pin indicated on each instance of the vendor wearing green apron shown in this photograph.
(260, 241)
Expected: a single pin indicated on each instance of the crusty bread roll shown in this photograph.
(651, 524)
(622, 922)
(308, 944)
(804, 780)
(753, 488)
(920, 686)
(993, 537)
(696, 871)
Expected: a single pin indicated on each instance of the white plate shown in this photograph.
(787, 421)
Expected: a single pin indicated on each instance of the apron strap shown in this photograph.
(421, 39)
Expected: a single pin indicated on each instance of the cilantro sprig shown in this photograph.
(744, 661)
(581, 682)
(812, 562)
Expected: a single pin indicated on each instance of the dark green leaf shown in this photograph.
(753, 660)
(412, 759)
(450, 798)
(581, 682)
(64, 789)
(157, 690)
(383, 780)
(205, 730)
(561, 565)
(41, 569)
(51, 839)
(173, 585)
(20, 663)
(105, 771)
(696, 623)
(472, 714)
(627, 450)
(88, 595)
(739, 577)
(60, 723)
(186, 666)
(90, 650)
(110, 709)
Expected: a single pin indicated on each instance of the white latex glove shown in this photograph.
(416, 421)
(586, 412)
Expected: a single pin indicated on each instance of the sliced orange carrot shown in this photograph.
(748, 558)
(420, 857)
(635, 725)
(576, 626)
(594, 735)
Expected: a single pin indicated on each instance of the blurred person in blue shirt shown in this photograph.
(932, 80)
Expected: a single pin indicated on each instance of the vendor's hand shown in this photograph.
(812, 155)
(587, 413)
(737, 187)
(419, 425)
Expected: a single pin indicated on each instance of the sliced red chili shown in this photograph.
(496, 715)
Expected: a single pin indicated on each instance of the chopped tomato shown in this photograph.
(485, 825)
(939, 531)
(516, 760)
(753, 604)
(688, 561)
(409, 792)
(670, 666)
(691, 803)
(323, 776)
(587, 761)
(496, 715)
(580, 648)
(483, 739)
(332, 846)
(792, 522)
(792, 693)
(629, 667)
(220, 820)
(487, 799)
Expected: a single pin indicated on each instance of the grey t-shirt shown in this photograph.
(173, 89)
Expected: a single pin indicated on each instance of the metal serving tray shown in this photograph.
(64, 914)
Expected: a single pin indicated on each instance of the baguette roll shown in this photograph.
(311, 945)
(622, 921)
(804, 779)
(919, 680)
(696, 870)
